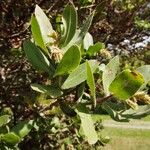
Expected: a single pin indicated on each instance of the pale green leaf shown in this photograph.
(145, 71)
(70, 24)
(87, 125)
(126, 84)
(87, 41)
(36, 32)
(46, 28)
(69, 62)
(49, 90)
(79, 75)
(109, 73)
(4, 120)
(91, 83)
(37, 58)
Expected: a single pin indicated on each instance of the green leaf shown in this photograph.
(48, 34)
(67, 109)
(36, 32)
(69, 62)
(18, 132)
(142, 111)
(87, 125)
(145, 71)
(37, 58)
(91, 83)
(119, 111)
(11, 138)
(70, 24)
(80, 34)
(4, 120)
(84, 29)
(49, 90)
(126, 84)
(92, 50)
(80, 91)
(109, 73)
(79, 75)
(111, 107)
(109, 110)
(87, 41)
(23, 128)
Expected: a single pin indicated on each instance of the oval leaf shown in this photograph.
(109, 73)
(79, 75)
(46, 28)
(37, 58)
(49, 90)
(70, 23)
(11, 138)
(91, 82)
(126, 84)
(69, 62)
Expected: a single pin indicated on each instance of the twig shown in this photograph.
(52, 6)
(101, 100)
